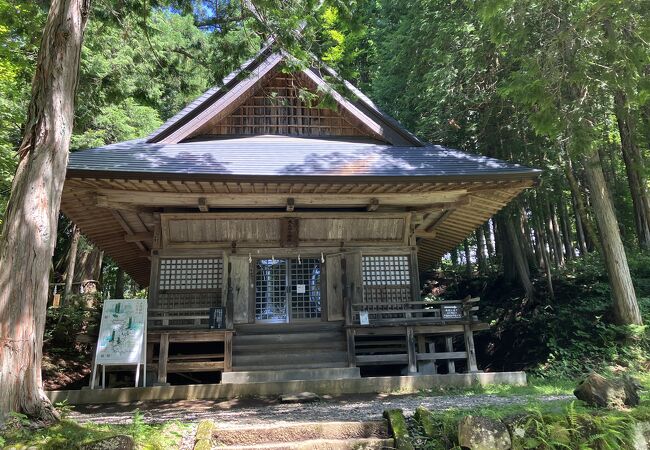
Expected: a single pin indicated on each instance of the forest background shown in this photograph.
(561, 86)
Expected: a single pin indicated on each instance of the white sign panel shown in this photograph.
(300, 289)
(363, 318)
(122, 332)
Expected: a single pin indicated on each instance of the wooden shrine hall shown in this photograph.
(281, 238)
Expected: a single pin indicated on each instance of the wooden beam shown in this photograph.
(137, 237)
(291, 204)
(373, 205)
(129, 231)
(122, 199)
(439, 221)
(203, 204)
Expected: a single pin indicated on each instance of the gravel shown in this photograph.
(251, 412)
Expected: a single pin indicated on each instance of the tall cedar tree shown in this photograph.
(29, 231)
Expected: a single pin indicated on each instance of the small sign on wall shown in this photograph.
(363, 318)
(300, 289)
(451, 311)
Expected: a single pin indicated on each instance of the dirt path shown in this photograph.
(237, 412)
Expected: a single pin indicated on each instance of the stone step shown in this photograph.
(300, 434)
(308, 365)
(265, 376)
(323, 444)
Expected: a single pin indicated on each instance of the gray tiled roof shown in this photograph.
(288, 156)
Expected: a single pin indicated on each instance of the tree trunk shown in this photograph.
(489, 238)
(454, 257)
(468, 259)
(580, 231)
(72, 260)
(29, 230)
(635, 169)
(515, 253)
(481, 255)
(564, 223)
(544, 245)
(587, 227)
(626, 308)
(118, 289)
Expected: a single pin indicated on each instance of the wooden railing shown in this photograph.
(432, 312)
(402, 333)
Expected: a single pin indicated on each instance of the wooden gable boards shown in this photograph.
(212, 109)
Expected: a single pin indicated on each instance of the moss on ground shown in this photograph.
(399, 428)
(68, 434)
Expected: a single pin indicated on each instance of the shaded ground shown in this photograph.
(251, 412)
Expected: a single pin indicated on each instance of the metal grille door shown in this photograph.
(305, 288)
(287, 289)
(271, 290)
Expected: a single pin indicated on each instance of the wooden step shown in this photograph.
(297, 359)
(284, 328)
(195, 366)
(271, 338)
(247, 349)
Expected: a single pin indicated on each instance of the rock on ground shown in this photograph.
(482, 433)
(119, 442)
(618, 393)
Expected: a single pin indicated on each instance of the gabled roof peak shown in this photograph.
(220, 101)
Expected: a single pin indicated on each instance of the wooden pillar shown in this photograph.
(227, 352)
(471, 351)
(412, 352)
(449, 347)
(162, 358)
(352, 352)
(432, 350)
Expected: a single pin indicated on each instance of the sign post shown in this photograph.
(122, 337)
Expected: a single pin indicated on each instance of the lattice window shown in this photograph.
(305, 288)
(386, 281)
(190, 274)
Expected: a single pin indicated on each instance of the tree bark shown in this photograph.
(118, 289)
(72, 260)
(626, 308)
(587, 227)
(481, 254)
(489, 238)
(468, 259)
(514, 253)
(29, 231)
(564, 223)
(580, 231)
(635, 169)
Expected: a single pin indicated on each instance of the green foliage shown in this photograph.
(21, 23)
(68, 434)
(539, 426)
(567, 337)
(63, 324)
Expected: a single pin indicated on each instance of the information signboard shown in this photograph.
(122, 335)
(451, 311)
